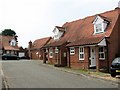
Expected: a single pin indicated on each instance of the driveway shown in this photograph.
(33, 74)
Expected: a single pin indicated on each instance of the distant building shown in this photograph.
(8, 45)
(35, 49)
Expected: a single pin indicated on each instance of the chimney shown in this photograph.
(30, 44)
(119, 4)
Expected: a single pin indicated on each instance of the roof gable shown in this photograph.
(39, 43)
(98, 19)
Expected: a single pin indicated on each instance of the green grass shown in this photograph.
(87, 71)
(83, 71)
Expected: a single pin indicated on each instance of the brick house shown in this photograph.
(92, 42)
(8, 45)
(35, 49)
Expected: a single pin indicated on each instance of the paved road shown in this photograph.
(32, 74)
(0, 75)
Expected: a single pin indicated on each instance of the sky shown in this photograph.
(35, 19)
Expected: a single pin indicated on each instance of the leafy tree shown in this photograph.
(8, 32)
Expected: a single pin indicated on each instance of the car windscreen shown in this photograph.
(116, 60)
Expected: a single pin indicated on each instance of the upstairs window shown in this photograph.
(13, 43)
(72, 50)
(58, 32)
(98, 28)
(100, 25)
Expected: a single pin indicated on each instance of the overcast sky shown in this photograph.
(34, 19)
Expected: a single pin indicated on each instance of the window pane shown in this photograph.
(102, 55)
(98, 28)
(72, 50)
(81, 55)
(101, 49)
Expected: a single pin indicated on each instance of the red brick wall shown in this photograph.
(63, 59)
(33, 55)
(79, 64)
(114, 43)
(37, 57)
(52, 60)
(119, 33)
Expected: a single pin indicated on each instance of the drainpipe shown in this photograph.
(107, 56)
(59, 55)
(68, 57)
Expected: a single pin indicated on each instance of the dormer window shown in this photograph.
(58, 32)
(13, 42)
(100, 24)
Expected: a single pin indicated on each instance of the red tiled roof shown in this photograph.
(1, 46)
(55, 43)
(86, 41)
(11, 48)
(5, 41)
(39, 43)
(82, 30)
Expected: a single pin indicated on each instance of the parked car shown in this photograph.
(115, 67)
(10, 57)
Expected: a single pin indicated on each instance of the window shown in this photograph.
(56, 49)
(7, 52)
(13, 42)
(46, 50)
(81, 53)
(72, 50)
(50, 53)
(12, 52)
(98, 28)
(101, 53)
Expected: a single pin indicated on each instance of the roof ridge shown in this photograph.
(41, 38)
(91, 16)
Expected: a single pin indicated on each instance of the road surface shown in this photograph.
(33, 74)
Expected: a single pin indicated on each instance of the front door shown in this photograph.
(92, 57)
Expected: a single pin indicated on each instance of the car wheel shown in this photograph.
(113, 75)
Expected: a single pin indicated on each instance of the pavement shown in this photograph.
(88, 73)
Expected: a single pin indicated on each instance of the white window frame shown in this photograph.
(13, 42)
(81, 53)
(56, 50)
(98, 28)
(46, 50)
(72, 50)
(7, 52)
(102, 53)
(50, 53)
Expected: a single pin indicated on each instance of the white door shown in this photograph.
(92, 57)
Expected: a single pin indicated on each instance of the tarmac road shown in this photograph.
(33, 74)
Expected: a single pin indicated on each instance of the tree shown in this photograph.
(8, 32)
